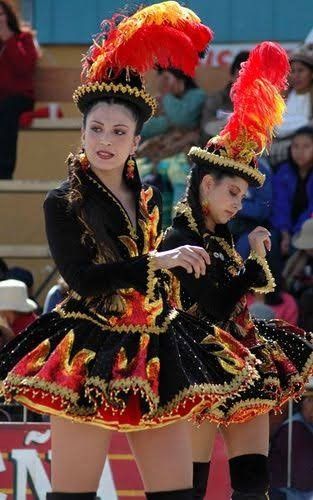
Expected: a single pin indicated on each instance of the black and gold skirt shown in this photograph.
(285, 362)
(75, 364)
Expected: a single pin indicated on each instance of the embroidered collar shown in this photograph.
(191, 218)
(92, 179)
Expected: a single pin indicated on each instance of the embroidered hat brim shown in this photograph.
(205, 158)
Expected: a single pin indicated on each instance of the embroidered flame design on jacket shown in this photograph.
(148, 224)
(142, 309)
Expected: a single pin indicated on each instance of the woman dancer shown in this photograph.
(224, 170)
(115, 354)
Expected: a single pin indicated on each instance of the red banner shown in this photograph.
(25, 460)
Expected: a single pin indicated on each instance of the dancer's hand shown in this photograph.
(260, 241)
(193, 259)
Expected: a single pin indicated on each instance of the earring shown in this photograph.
(130, 168)
(205, 208)
(83, 160)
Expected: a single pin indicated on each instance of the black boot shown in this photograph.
(200, 479)
(249, 477)
(170, 495)
(72, 496)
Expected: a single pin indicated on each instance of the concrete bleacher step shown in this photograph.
(42, 153)
(22, 237)
(25, 251)
(24, 186)
(57, 124)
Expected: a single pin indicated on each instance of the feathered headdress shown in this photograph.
(258, 108)
(162, 35)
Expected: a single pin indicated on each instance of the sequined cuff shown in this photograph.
(151, 278)
(262, 263)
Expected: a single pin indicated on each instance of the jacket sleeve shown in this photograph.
(74, 262)
(216, 293)
(308, 213)
(281, 210)
(21, 54)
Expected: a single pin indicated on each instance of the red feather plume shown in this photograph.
(258, 105)
(165, 35)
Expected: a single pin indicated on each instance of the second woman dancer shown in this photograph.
(224, 169)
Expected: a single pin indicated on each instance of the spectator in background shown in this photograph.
(292, 192)
(3, 269)
(26, 276)
(218, 105)
(180, 104)
(298, 271)
(6, 333)
(168, 137)
(256, 209)
(299, 110)
(282, 304)
(301, 457)
(16, 309)
(298, 274)
(55, 295)
(18, 56)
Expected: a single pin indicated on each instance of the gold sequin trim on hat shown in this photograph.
(116, 88)
(223, 161)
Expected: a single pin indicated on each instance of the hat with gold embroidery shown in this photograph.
(161, 35)
(257, 109)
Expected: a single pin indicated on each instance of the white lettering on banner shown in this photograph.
(3, 496)
(107, 490)
(28, 465)
(29, 472)
(37, 437)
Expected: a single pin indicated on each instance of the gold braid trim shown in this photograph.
(229, 250)
(110, 391)
(270, 285)
(185, 209)
(150, 275)
(17, 382)
(151, 329)
(223, 161)
(119, 88)
(246, 378)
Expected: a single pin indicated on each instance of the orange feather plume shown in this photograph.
(258, 104)
(164, 35)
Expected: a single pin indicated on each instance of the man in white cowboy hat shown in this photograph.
(16, 309)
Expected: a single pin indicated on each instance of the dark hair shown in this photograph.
(306, 130)
(192, 191)
(189, 82)
(305, 63)
(238, 59)
(12, 18)
(200, 171)
(134, 110)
